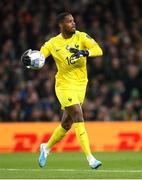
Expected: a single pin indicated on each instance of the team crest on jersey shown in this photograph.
(76, 46)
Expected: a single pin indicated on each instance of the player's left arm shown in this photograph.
(91, 45)
(91, 48)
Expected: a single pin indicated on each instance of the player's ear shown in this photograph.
(60, 25)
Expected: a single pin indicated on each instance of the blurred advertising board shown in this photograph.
(104, 136)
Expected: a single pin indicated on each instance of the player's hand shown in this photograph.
(26, 60)
(77, 53)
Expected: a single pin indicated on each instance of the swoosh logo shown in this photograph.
(58, 50)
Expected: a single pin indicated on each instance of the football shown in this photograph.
(37, 59)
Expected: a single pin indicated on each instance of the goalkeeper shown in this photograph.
(70, 50)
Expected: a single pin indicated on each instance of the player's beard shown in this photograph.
(69, 33)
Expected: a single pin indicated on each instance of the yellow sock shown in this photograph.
(57, 135)
(82, 137)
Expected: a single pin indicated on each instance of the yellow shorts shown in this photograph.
(69, 97)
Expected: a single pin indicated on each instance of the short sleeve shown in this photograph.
(45, 49)
(88, 41)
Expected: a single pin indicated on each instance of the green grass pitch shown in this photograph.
(116, 165)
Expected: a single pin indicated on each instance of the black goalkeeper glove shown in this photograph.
(26, 60)
(77, 53)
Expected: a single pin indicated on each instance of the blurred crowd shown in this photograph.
(115, 80)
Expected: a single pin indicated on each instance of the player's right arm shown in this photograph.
(45, 49)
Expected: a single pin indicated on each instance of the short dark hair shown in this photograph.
(62, 16)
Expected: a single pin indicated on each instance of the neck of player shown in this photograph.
(66, 35)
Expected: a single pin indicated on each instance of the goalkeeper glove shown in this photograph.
(26, 60)
(77, 53)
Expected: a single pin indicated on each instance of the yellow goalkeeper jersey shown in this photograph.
(70, 74)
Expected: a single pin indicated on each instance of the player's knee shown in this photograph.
(77, 116)
(66, 125)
